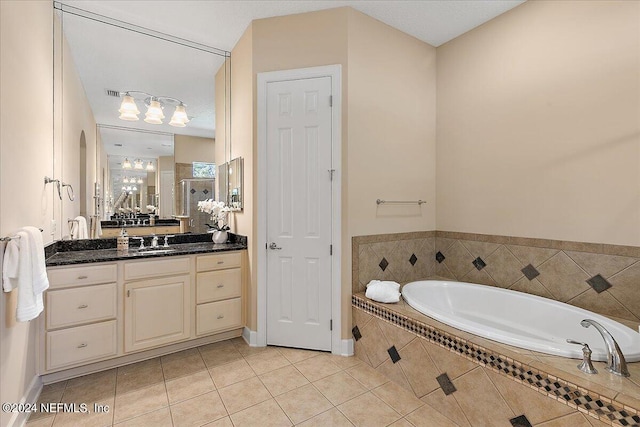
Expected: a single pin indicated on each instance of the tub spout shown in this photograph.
(615, 359)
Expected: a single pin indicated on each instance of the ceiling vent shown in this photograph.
(111, 92)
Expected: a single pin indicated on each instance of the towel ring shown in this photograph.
(70, 192)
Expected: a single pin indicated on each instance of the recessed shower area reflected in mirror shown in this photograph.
(140, 108)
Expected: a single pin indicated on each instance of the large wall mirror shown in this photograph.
(137, 113)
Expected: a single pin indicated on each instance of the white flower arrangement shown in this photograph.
(219, 213)
(151, 209)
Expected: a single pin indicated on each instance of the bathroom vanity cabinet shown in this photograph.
(108, 314)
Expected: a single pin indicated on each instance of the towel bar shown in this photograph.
(6, 239)
(404, 202)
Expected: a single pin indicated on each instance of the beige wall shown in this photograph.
(539, 124)
(397, 90)
(26, 155)
(189, 149)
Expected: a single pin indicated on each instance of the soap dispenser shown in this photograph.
(123, 241)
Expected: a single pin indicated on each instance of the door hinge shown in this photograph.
(128, 293)
(331, 325)
(330, 249)
(330, 100)
(331, 172)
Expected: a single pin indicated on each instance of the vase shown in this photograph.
(219, 236)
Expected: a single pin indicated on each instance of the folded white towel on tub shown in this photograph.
(383, 291)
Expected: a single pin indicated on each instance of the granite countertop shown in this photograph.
(104, 250)
(158, 223)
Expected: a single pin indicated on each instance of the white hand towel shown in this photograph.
(38, 266)
(96, 227)
(81, 229)
(386, 292)
(10, 264)
(30, 305)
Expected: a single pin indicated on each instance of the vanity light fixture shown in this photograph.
(126, 164)
(125, 180)
(154, 115)
(139, 181)
(137, 164)
(150, 166)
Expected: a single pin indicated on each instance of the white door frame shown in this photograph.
(335, 72)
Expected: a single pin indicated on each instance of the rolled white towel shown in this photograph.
(383, 291)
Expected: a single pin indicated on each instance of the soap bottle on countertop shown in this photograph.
(152, 220)
(123, 241)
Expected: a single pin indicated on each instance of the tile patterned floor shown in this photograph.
(230, 384)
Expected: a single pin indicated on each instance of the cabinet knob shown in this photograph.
(220, 286)
(83, 345)
(82, 277)
(82, 306)
(220, 262)
(221, 316)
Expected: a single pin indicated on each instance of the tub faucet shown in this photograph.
(615, 359)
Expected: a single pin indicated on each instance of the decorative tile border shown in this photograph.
(576, 397)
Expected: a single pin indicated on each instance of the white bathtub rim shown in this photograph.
(505, 337)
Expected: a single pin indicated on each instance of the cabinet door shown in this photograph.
(156, 312)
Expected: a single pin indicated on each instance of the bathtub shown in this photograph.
(518, 319)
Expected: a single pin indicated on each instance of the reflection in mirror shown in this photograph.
(235, 177)
(130, 97)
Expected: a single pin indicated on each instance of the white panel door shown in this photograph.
(299, 213)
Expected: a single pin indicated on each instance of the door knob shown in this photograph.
(274, 246)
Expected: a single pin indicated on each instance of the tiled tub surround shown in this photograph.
(472, 381)
(401, 257)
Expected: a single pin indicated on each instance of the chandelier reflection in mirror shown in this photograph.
(154, 115)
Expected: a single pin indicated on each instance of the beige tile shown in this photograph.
(503, 267)
(294, 355)
(283, 380)
(418, 368)
(368, 410)
(447, 361)
(248, 351)
(333, 417)
(523, 400)
(401, 423)
(401, 400)
(574, 420)
(447, 406)
(480, 277)
(458, 260)
(367, 376)
(189, 386)
(626, 288)
(182, 363)
(368, 265)
(360, 318)
(98, 377)
(266, 362)
(231, 373)
(40, 421)
(222, 422)
(594, 422)
(562, 277)
(443, 271)
(343, 362)
(531, 255)
(303, 403)
(602, 303)
(139, 375)
(360, 352)
(605, 265)
(316, 368)
(51, 393)
(140, 401)
(219, 353)
(480, 249)
(339, 388)
(89, 419)
(426, 416)
(443, 243)
(480, 400)
(394, 372)
(265, 414)
(533, 287)
(159, 418)
(198, 411)
(102, 388)
(396, 335)
(374, 342)
(243, 394)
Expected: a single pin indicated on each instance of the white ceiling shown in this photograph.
(108, 57)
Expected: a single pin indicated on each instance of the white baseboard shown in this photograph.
(19, 419)
(347, 347)
(251, 337)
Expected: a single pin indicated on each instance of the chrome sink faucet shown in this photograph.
(154, 241)
(615, 359)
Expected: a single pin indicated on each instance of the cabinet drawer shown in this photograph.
(167, 229)
(86, 275)
(218, 261)
(81, 344)
(68, 307)
(218, 285)
(165, 266)
(218, 316)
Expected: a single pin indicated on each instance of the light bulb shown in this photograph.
(137, 164)
(179, 118)
(150, 166)
(125, 180)
(126, 164)
(139, 181)
(154, 113)
(128, 108)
